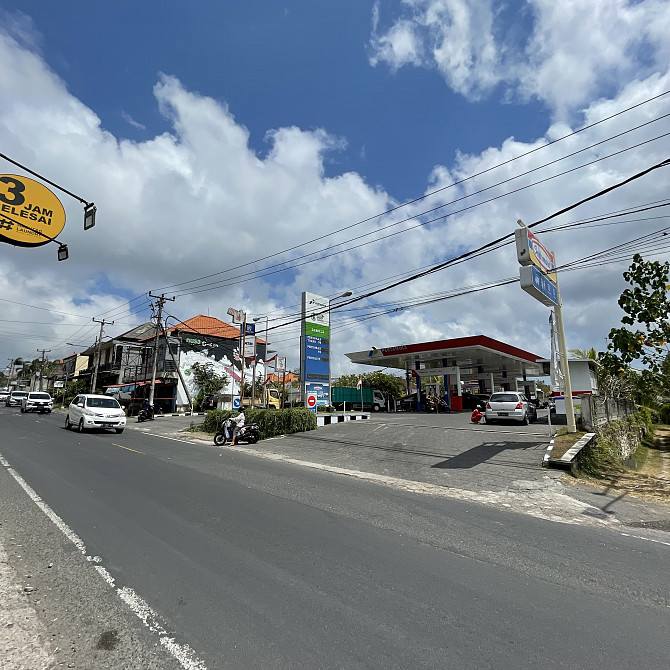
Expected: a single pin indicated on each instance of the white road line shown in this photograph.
(646, 539)
(181, 652)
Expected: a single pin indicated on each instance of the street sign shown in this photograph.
(249, 346)
(538, 285)
(311, 402)
(237, 314)
(25, 201)
(236, 403)
(280, 365)
(530, 251)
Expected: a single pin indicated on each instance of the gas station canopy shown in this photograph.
(476, 357)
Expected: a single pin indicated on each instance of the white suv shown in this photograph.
(37, 401)
(95, 411)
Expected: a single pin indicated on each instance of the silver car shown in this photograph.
(88, 411)
(509, 406)
(14, 398)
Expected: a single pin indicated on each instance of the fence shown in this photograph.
(598, 411)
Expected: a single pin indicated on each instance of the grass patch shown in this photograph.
(564, 441)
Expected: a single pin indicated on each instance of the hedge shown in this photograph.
(271, 422)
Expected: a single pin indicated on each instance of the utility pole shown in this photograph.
(97, 352)
(159, 324)
(176, 365)
(42, 365)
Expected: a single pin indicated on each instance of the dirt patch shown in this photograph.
(649, 480)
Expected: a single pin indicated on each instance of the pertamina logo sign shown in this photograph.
(530, 251)
(30, 214)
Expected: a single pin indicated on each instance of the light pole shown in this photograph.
(346, 294)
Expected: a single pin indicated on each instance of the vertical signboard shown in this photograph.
(315, 347)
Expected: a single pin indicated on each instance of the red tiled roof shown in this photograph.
(290, 377)
(208, 325)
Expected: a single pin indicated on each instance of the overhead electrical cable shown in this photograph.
(427, 195)
(494, 243)
(254, 275)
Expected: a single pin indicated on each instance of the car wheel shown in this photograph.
(80, 427)
(68, 425)
(119, 431)
(23, 411)
(524, 422)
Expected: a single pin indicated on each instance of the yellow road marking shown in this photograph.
(127, 448)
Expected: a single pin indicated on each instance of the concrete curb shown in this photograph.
(328, 419)
(569, 458)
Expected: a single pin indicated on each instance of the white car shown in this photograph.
(510, 406)
(88, 411)
(14, 398)
(37, 401)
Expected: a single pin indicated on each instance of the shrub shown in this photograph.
(271, 422)
(665, 414)
(615, 442)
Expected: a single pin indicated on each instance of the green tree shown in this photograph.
(206, 379)
(646, 330)
(389, 385)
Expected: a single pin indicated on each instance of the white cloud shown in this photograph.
(197, 200)
(578, 49)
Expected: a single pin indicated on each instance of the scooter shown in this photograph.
(249, 433)
(145, 414)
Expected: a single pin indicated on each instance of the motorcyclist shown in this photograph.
(239, 424)
(148, 408)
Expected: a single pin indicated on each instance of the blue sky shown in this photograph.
(212, 134)
(277, 64)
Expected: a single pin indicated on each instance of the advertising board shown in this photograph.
(30, 214)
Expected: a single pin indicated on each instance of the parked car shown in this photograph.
(3, 396)
(88, 411)
(14, 398)
(37, 401)
(511, 406)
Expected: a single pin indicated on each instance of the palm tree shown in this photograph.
(584, 353)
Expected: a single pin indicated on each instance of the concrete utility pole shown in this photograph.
(97, 352)
(159, 324)
(42, 365)
(176, 365)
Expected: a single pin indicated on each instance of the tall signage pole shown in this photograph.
(539, 278)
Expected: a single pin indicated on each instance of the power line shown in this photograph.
(427, 195)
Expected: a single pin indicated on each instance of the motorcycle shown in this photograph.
(437, 405)
(145, 414)
(249, 433)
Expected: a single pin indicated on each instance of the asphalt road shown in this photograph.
(254, 563)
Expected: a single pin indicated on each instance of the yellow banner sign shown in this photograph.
(30, 214)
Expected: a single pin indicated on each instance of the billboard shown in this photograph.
(315, 347)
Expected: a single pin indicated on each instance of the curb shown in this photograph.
(569, 458)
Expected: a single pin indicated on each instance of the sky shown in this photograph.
(239, 154)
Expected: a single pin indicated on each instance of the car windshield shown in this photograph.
(19, 394)
(108, 403)
(505, 397)
(40, 396)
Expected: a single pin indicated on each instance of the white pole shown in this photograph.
(563, 349)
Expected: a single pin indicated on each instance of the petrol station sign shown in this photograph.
(30, 214)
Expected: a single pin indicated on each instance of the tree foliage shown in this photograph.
(646, 330)
(206, 379)
(389, 385)
(643, 335)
